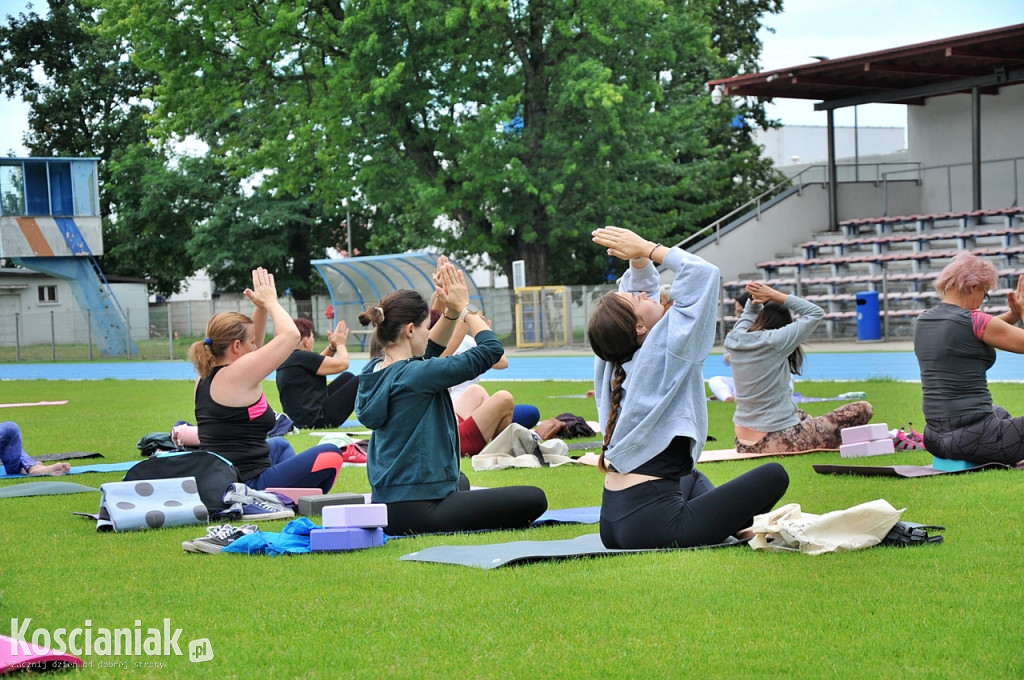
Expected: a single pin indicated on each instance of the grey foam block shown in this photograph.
(314, 505)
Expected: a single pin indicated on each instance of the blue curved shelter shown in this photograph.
(355, 282)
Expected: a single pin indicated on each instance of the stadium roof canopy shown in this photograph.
(355, 282)
(901, 75)
(976, 64)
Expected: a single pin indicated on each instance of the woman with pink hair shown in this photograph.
(955, 343)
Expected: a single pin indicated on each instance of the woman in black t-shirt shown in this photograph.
(306, 396)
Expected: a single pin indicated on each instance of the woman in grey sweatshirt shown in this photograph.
(764, 348)
(649, 386)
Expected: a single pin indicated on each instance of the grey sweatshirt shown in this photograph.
(664, 387)
(760, 366)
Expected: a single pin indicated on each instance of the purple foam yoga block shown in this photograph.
(365, 516)
(295, 493)
(864, 433)
(875, 448)
(345, 539)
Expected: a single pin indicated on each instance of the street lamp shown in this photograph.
(348, 226)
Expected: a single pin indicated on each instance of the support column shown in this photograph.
(975, 148)
(833, 208)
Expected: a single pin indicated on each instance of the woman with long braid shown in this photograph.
(649, 385)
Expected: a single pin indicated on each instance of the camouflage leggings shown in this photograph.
(812, 434)
(986, 438)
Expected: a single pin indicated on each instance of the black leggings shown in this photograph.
(506, 507)
(995, 437)
(669, 513)
(341, 400)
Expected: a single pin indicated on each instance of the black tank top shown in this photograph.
(674, 462)
(239, 433)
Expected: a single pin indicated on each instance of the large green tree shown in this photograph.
(86, 99)
(500, 127)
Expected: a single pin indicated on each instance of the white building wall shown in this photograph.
(802, 144)
(940, 135)
(27, 320)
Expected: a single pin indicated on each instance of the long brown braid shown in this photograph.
(612, 336)
(613, 413)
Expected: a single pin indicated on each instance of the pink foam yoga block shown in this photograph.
(864, 433)
(345, 538)
(365, 516)
(875, 448)
(295, 493)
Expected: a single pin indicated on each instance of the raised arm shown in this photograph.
(1002, 332)
(453, 294)
(336, 353)
(628, 245)
(240, 382)
(1015, 298)
(791, 336)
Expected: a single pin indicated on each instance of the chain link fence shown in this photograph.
(543, 318)
(535, 318)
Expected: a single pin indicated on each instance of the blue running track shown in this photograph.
(817, 366)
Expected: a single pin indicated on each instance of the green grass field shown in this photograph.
(938, 611)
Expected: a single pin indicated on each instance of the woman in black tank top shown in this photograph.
(232, 412)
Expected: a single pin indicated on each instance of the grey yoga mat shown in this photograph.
(905, 471)
(67, 455)
(588, 515)
(493, 555)
(43, 489)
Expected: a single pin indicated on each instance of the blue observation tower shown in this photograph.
(50, 222)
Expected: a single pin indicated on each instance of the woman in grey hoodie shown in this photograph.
(764, 349)
(649, 386)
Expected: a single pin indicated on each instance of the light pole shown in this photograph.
(348, 227)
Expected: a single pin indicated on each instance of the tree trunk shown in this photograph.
(535, 256)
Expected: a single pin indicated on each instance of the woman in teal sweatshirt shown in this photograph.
(413, 455)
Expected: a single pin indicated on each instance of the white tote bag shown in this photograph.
(515, 446)
(861, 526)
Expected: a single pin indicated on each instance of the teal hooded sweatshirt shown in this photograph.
(413, 453)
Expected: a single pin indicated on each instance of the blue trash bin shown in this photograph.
(869, 320)
(530, 334)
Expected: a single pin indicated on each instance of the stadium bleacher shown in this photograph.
(897, 256)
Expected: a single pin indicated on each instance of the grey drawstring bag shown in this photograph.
(150, 504)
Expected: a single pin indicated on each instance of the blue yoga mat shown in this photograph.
(493, 555)
(590, 515)
(78, 469)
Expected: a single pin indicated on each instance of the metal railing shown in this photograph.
(812, 174)
(948, 169)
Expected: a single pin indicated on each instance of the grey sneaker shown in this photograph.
(243, 502)
(217, 538)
